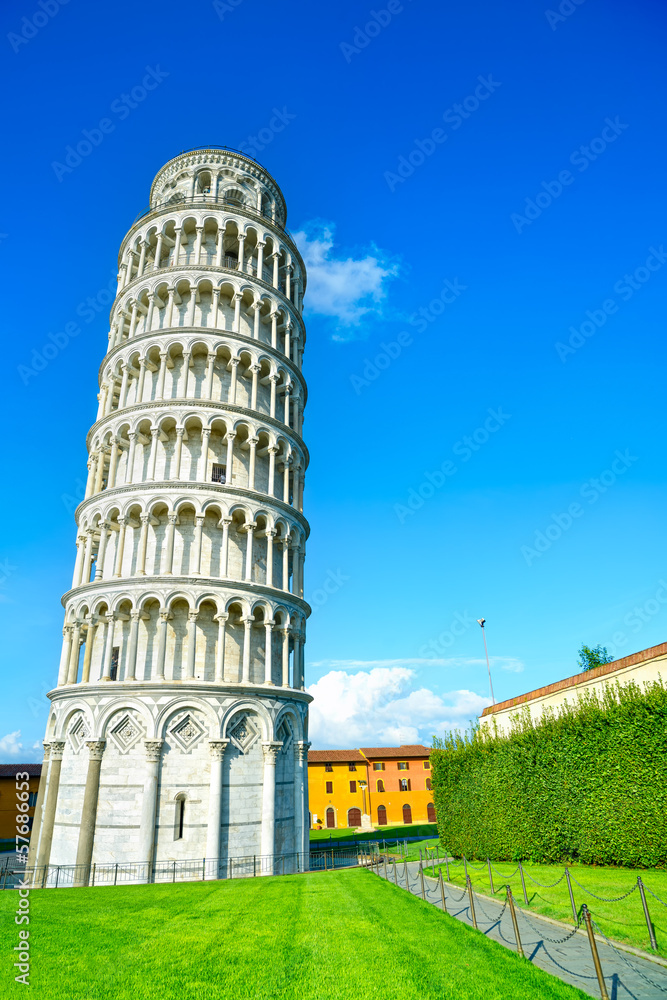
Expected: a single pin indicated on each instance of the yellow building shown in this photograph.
(9, 798)
(370, 787)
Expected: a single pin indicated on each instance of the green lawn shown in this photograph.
(384, 832)
(622, 921)
(336, 936)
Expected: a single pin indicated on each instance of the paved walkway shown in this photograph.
(563, 953)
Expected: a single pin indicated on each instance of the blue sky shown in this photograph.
(479, 192)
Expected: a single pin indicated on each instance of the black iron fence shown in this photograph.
(13, 875)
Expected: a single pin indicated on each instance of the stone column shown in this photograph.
(51, 803)
(113, 464)
(88, 652)
(162, 643)
(131, 667)
(220, 648)
(199, 530)
(78, 565)
(224, 555)
(84, 851)
(143, 545)
(73, 670)
(268, 829)
(260, 259)
(234, 364)
(285, 656)
(192, 645)
(249, 530)
(39, 805)
(270, 535)
(247, 626)
(296, 667)
(237, 312)
(217, 750)
(301, 831)
(65, 655)
(252, 444)
(273, 451)
(101, 551)
(268, 651)
(129, 471)
(241, 239)
(149, 806)
(169, 546)
(210, 362)
(120, 546)
(108, 649)
(178, 453)
(230, 455)
(152, 461)
(163, 365)
(203, 458)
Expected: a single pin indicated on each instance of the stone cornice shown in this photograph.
(208, 269)
(130, 584)
(173, 486)
(121, 689)
(199, 405)
(214, 334)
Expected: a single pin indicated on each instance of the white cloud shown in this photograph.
(381, 707)
(10, 745)
(345, 289)
(503, 662)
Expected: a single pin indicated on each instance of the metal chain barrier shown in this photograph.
(654, 895)
(603, 899)
(548, 885)
(627, 960)
(536, 930)
(500, 874)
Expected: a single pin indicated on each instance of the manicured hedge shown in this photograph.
(587, 783)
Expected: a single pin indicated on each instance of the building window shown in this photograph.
(407, 813)
(382, 816)
(328, 767)
(427, 765)
(379, 766)
(115, 653)
(352, 767)
(428, 784)
(32, 800)
(430, 809)
(354, 817)
(380, 786)
(403, 765)
(329, 787)
(180, 818)
(218, 474)
(353, 786)
(331, 819)
(404, 785)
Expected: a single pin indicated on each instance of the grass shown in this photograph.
(623, 921)
(383, 833)
(339, 936)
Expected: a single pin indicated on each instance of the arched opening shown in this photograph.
(407, 814)
(382, 816)
(331, 819)
(380, 787)
(354, 817)
(430, 811)
(179, 818)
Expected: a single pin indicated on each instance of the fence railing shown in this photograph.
(14, 875)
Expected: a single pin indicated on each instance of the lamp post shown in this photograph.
(481, 622)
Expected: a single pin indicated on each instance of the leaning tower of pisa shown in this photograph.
(178, 727)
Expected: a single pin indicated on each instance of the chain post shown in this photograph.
(442, 893)
(115, 874)
(93, 877)
(325, 860)
(421, 876)
(203, 869)
(395, 873)
(420, 854)
(57, 875)
(523, 884)
(515, 923)
(465, 868)
(447, 866)
(254, 865)
(283, 864)
(472, 902)
(386, 876)
(651, 932)
(569, 889)
(594, 951)
(488, 864)
(174, 875)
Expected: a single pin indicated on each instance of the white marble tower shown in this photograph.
(178, 727)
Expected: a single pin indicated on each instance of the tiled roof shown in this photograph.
(653, 653)
(335, 756)
(410, 750)
(11, 770)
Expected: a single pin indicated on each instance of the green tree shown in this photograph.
(591, 657)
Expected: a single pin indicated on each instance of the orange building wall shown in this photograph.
(341, 799)
(8, 800)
